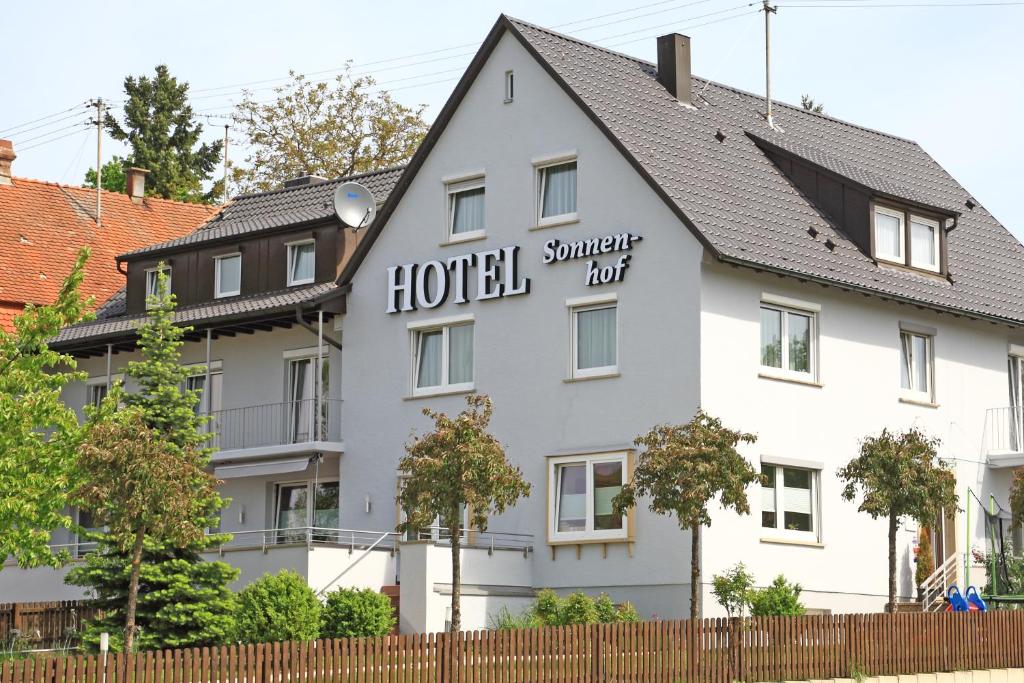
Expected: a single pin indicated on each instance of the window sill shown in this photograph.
(299, 283)
(472, 237)
(922, 402)
(439, 392)
(556, 223)
(790, 379)
(792, 541)
(587, 378)
(591, 541)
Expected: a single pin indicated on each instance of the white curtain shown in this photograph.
(607, 484)
(922, 244)
(887, 235)
(595, 338)
(572, 498)
(771, 338)
(303, 260)
(468, 211)
(428, 371)
(460, 354)
(559, 190)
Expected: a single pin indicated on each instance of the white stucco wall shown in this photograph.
(859, 358)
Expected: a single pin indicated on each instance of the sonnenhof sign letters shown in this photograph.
(496, 271)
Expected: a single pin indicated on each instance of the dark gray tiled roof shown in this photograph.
(278, 209)
(268, 302)
(746, 210)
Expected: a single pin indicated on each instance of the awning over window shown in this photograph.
(257, 469)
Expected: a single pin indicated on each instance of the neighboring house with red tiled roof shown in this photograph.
(43, 225)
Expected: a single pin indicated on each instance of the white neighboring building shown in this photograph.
(600, 244)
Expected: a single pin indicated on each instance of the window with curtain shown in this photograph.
(301, 263)
(788, 340)
(443, 358)
(888, 234)
(924, 243)
(916, 363)
(595, 340)
(584, 487)
(907, 238)
(557, 200)
(227, 275)
(789, 502)
(465, 210)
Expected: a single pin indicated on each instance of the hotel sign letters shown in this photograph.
(416, 286)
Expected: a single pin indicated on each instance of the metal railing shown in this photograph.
(276, 424)
(474, 538)
(933, 589)
(1004, 430)
(353, 539)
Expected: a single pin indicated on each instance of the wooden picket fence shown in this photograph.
(707, 651)
(43, 624)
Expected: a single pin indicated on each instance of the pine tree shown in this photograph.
(181, 598)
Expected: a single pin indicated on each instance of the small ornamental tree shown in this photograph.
(136, 486)
(458, 466)
(732, 589)
(38, 433)
(277, 607)
(898, 475)
(682, 468)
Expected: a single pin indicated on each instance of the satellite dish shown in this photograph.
(354, 205)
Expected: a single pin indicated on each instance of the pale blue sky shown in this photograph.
(951, 78)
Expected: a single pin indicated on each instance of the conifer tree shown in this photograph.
(182, 600)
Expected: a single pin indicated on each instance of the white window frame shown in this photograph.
(589, 534)
(151, 281)
(900, 258)
(510, 86)
(580, 305)
(779, 531)
(444, 325)
(914, 393)
(453, 188)
(540, 167)
(217, 261)
(937, 243)
(292, 250)
(786, 306)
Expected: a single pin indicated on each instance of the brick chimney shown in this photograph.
(674, 65)
(135, 183)
(7, 156)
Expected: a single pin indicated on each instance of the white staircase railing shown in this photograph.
(933, 589)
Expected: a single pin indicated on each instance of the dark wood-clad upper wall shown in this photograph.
(848, 206)
(264, 266)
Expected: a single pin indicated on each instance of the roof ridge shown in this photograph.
(364, 174)
(725, 86)
(67, 186)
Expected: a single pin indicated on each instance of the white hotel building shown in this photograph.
(599, 244)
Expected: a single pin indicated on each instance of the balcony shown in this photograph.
(291, 426)
(1004, 436)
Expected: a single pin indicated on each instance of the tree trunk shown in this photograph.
(695, 571)
(893, 519)
(133, 591)
(455, 532)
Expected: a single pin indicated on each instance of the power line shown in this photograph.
(709, 14)
(1008, 3)
(59, 137)
(43, 135)
(41, 118)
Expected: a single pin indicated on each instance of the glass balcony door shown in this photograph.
(294, 514)
(306, 416)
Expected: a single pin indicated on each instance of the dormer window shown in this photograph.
(906, 238)
(227, 275)
(153, 282)
(301, 262)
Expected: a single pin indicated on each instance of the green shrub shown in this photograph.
(576, 608)
(781, 599)
(356, 613)
(277, 607)
(732, 590)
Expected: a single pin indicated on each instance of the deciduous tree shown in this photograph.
(326, 129)
(161, 130)
(682, 468)
(458, 466)
(113, 178)
(899, 475)
(38, 433)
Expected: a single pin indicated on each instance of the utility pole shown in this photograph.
(225, 163)
(99, 155)
(768, 11)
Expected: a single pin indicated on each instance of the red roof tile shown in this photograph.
(43, 225)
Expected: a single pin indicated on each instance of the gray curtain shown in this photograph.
(428, 372)
(460, 354)
(572, 497)
(559, 190)
(468, 211)
(595, 338)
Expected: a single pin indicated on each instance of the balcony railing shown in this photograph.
(1004, 430)
(353, 539)
(276, 424)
